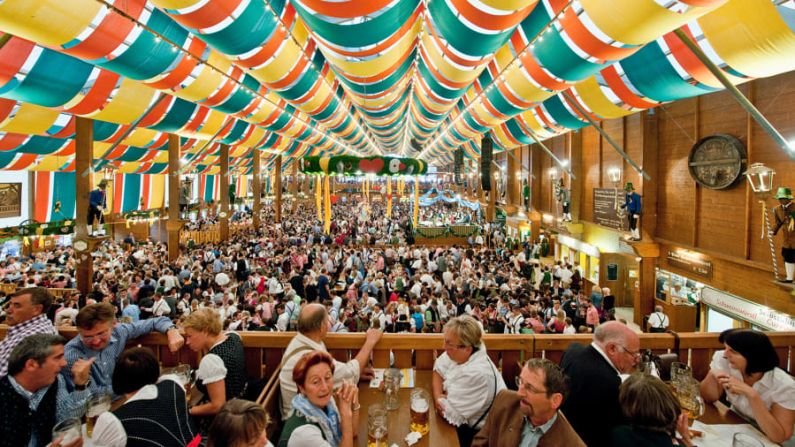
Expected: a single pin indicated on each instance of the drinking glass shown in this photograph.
(392, 379)
(68, 431)
(420, 407)
(97, 404)
(689, 394)
(185, 374)
(377, 432)
(745, 440)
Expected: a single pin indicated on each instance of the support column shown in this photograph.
(513, 181)
(277, 188)
(174, 225)
(491, 211)
(257, 188)
(294, 187)
(224, 220)
(84, 151)
(575, 181)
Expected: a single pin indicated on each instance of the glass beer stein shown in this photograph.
(377, 432)
(392, 379)
(420, 411)
(97, 405)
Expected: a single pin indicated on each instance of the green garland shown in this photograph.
(456, 231)
(350, 165)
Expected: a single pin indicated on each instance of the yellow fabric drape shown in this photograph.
(416, 200)
(388, 198)
(400, 186)
(319, 197)
(327, 199)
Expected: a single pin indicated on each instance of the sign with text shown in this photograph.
(747, 310)
(690, 261)
(10, 199)
(606, 208)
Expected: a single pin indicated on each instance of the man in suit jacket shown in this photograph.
(594, 378)
(530, 416)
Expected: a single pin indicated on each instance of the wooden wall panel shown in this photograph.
(591, 166)
(633, 140)
(718, 223)
(676, 188)
(720, 211)
(774, 97)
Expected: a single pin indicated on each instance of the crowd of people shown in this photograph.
(364, 276)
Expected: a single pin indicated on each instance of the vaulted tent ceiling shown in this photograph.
(359, 77)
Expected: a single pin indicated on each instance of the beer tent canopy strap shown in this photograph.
(350, 165)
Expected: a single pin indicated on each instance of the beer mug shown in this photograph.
(420, 408)
(97, 404)
(377, 432)
(67, 431)
(184, 373)
(689, 394)
(392, 379)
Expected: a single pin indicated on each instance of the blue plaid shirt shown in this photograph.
(102, 369)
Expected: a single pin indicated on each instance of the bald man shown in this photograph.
(595, 373)
(313, 325)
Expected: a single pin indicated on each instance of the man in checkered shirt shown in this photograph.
(27, 315)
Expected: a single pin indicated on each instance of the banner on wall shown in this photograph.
(743, 309)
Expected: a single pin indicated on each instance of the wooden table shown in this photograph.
(441, 433)
(718, 413)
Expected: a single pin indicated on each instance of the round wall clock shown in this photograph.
(717, 161)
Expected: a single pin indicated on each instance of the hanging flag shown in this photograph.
(54, 188)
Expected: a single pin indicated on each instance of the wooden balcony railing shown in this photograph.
(11, 288)
(264, 349)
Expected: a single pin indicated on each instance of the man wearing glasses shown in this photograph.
(529, 417)
(103, 341)
(595, 373)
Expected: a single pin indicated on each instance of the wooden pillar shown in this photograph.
(84, 151)
(514, 179)
(294, 187)
(174, 225)
(575, 185)
(277, 188)
(491, 211)
(647, 249)
(224, 220)
(257, 188)
(644, 301)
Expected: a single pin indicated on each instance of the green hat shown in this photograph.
(629, 187)
(784, 193)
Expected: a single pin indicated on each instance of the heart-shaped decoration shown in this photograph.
(371, 166)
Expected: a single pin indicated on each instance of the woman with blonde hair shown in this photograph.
(465, 381)
(222, 371)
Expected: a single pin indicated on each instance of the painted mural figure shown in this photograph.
(97, 202)
(785, 220)
(526, 194)
(563, 196)
(632, 203)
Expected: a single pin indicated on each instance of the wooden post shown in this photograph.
(174, 225)
(84, 151)
(257, 188)
(491, 211)
(224, 220)
(575, 160)
(277, 189)
(513, 181)
(294, 187)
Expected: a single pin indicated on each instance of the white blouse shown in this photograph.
(470, 387)
(211, 368)
(775, 387)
